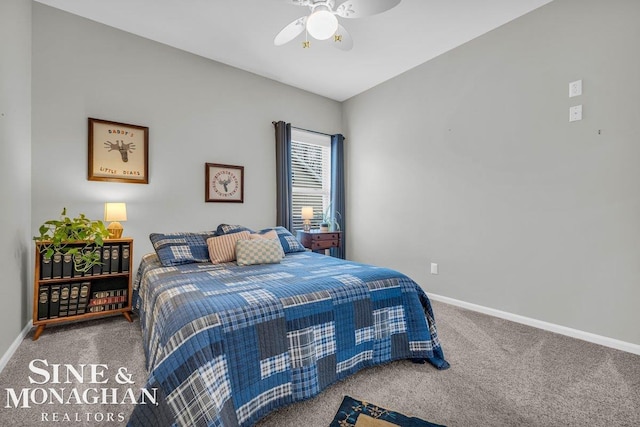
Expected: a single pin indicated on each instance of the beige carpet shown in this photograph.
(502, 374)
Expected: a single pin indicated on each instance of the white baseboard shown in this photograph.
(562, 330)
(14, 346)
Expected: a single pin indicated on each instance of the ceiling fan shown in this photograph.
(322, 23)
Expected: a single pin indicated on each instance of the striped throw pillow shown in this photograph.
(258, 251)
(223, 248)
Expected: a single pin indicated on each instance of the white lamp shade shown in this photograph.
(115, 211)
(307, 212)
(322, 24)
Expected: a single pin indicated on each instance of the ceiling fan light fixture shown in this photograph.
(322, 24)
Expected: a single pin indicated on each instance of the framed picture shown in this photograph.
(118, 152)
(223, 183)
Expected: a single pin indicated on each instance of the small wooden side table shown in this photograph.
(320, 241)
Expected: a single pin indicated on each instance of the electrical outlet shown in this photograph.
(575, 113)
(575, 88)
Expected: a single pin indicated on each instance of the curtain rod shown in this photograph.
(311, 131)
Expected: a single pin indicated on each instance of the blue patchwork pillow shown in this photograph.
(181, 248)
(288, 241)
(229, 229)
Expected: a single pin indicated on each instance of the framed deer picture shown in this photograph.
(118, 152)
(223, 183)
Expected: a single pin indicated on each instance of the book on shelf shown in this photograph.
(115, 259)
(54, 301)
(74, 295)
(106, 307)
(67, 266)
(56, 268)
(97, 308)
(77, 260)
(96, 270)
(109, 293)
(43, 302)
(83, 298)
(106, 259)
(45, 266)
(126, 254)
(64, 300)
(107, 300)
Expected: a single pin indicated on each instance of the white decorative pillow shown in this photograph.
(270, 235)
(258, 251)
(223, 248)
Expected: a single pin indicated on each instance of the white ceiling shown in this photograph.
(240, 33)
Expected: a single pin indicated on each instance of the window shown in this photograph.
(310, 174)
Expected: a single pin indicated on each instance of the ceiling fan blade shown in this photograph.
(290, 32)
(342, 39)
(300, 2)
(360, 8)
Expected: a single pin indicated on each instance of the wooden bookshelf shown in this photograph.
(105, 281)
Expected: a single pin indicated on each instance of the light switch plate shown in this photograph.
(575, 113)
(575, 88)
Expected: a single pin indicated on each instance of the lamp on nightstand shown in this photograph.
(307, 216)
(115, 212)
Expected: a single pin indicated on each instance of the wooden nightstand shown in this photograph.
(319, 241)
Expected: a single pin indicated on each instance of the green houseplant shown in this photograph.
(72, 236)
(331, 221)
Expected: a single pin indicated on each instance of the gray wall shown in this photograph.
(15, 167)
(197, 111)
(469, 161)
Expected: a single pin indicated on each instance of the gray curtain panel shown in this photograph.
(284, 216)
(337, 191)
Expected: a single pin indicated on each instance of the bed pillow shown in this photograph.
(182, 247)
(287, 240)
(269, 235)
(231, 228)
(223, 248)
(258, 251)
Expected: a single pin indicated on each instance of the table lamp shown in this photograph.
(307, 216)
(115, 212)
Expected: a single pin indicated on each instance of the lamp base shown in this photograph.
(306, 226)
(115, 230)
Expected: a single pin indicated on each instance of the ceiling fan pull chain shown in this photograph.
(306, 44)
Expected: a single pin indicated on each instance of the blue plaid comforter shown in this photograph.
(225, 345)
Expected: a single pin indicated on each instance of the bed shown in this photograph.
(226, 344)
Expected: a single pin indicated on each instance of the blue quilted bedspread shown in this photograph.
(225, 345)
